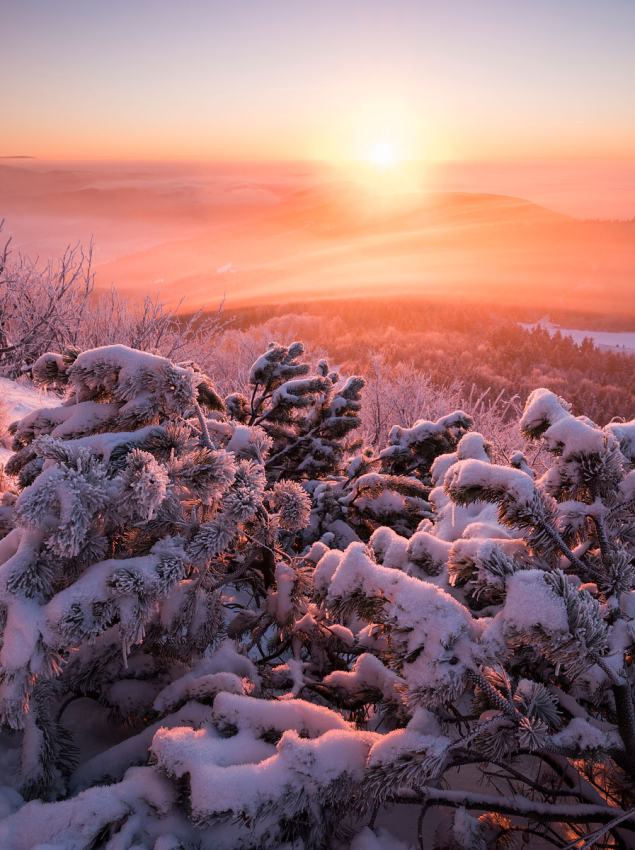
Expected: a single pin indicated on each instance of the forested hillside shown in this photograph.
(479, 344)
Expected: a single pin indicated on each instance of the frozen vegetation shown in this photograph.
(250, 616)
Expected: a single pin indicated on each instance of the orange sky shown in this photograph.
(223, 146)
(298, 79)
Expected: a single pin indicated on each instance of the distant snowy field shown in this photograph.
(17, 399)
(605, 340)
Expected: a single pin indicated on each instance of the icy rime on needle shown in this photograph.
(275, 631)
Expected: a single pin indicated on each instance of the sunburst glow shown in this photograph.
(384, 154)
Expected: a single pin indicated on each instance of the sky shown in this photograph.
(292, 79)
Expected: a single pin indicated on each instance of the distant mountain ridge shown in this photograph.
(454, 244)
(293, 235)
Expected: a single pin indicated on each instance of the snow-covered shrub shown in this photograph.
(271, 641)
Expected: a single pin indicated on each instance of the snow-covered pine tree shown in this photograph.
(495, 639)
(308, 417)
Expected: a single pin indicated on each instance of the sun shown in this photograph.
(383, 154)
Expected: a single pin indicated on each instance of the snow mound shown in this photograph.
(17, 400)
